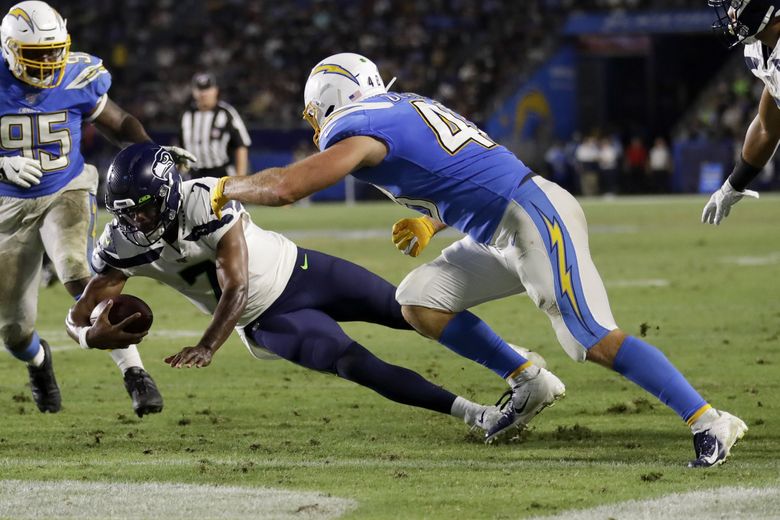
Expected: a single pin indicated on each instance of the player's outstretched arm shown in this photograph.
(281, 186)
(760, 144)
(101, 335)
(233, 275)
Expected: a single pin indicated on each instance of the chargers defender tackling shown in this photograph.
(524, 235)
(47, 192)
(283, 300)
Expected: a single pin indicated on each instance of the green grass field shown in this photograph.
(706, 296)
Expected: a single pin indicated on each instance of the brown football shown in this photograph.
(126, 305)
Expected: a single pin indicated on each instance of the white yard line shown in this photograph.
(120, 500)
(344, 463)
(720, 503)
(768, 259)
(639, 282)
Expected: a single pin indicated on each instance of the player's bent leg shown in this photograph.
(434, 298)
(21, 253)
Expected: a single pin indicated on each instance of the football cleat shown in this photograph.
(526, 400)
(485, 419)
(714, 440)
(140, 385)
(44, 385)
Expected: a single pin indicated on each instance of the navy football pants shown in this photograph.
(301, 326)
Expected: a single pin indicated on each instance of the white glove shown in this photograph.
(719, 205)
(20, 170)
(181, 156)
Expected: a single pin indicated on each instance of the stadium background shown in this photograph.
(541, 76)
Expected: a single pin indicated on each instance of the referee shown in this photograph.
(214, 132)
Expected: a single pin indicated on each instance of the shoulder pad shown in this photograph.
(89, 69)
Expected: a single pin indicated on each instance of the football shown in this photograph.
(126, 305)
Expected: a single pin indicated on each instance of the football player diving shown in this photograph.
(47, 192)
(283, 300)
(524, 234)
(756, 24)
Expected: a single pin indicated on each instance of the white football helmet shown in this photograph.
(35, 43)
(336, 81)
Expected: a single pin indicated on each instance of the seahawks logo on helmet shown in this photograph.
(163, 162)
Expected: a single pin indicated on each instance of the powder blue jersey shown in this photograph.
(45, 124)
(437, 162)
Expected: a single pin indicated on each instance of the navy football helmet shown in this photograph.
(143, 192)
(740, 20)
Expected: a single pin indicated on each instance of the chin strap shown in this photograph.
(391, 83)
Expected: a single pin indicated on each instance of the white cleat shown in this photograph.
(527, 400)
(485, 419)
(713, 440)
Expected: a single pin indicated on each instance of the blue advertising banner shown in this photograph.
(548, 98)
(652, 22)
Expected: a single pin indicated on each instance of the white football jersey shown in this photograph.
(189, 266)
(767, 70)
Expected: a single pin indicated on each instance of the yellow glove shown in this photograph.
(411, 235)
(218, 199)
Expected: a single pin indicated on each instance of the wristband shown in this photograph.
(742, 174)
(83, 337)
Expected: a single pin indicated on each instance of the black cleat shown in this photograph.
(44, 385)
(140, 385)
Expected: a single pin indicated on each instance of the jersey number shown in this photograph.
(452, 132)
(192, 273)
(28, 133)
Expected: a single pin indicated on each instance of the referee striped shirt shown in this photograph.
(212, 135)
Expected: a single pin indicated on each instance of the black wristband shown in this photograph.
(742, 174)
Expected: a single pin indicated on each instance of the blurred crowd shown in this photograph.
(462, 52)
(459, 51)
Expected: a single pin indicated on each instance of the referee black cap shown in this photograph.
(203, 80)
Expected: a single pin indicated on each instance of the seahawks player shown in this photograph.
(283, 300)
(524, 234)
(47, 192)
(756, 24)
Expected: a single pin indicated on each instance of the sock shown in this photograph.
(524, 372)
(472, 338)
(396, 383)
(703, 420)
(646, 366)
(32, 353)
(467, 410)
(127, 358)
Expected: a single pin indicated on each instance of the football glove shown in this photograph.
(20, 170)
(719, 205)
(411, 235)
(181, 157)
(218, 199)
